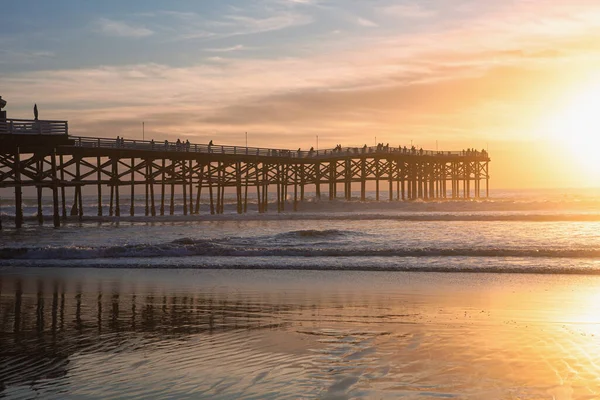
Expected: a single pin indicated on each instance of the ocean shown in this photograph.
(490, 298)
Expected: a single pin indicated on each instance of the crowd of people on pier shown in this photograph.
(180, 145)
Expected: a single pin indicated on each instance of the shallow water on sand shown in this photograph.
(123, 333)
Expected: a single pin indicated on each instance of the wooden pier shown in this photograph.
(42, 155)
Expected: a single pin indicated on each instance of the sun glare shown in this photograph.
(576, 128)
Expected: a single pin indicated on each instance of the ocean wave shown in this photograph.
(188, 247)
(449, 265)
(316, 233)
(355, 216)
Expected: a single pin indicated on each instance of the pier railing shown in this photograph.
(33, 127)
(150, 145)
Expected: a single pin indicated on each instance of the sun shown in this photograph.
(576, 128)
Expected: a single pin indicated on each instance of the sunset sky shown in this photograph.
(517, 76)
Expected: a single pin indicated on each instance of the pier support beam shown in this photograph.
(55, 207)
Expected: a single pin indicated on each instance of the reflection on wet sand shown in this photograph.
(298, 334)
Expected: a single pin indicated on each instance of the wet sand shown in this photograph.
(93, 333)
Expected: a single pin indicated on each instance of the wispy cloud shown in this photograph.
(111, 27)
(411, 10)
(24, 57)
(177, 26)
(365, 22)
(226, 49)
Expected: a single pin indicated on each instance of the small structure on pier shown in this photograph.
(42, 154)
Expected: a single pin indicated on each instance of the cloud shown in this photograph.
(111, 27)
(365, 22)
(226, 49)
(414, 11)
(24, 57)
(182, 26)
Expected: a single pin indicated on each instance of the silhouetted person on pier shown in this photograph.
(187, 145)
(178, 145)
(152, 144)
(421, 151)
(35, 112)
(118, 141)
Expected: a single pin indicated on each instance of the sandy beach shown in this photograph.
(297, 334)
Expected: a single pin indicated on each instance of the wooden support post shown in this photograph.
(199, 192)
(172, 194)
(38, 186)
(258, 185)
(451, 178)
(414, 181)
(222, 207)
(363, 179)
(247, 165)
(162, 188)
(430, 191)
(75, 207)
(132, 195)
(284, 183)
(332, 179)
(444, 183)
(79, 189)
(279, 186)
(112, 197)
(408, 180)
(98, 184)
(318, 180)
(265, 191)
(302, 181)
(238, 178)
(420, 180)
(151, 180)
(390, 180)
(191, 180)
(437, 181)
(219, 164)
(487, 180)
(296, 177)
(466, 174)
(184, 186)
(397, 180)
(18, 191)
(210, 188)
(147, 189)
(377, 179)
(402, 182)
(62, 188)
(55, 207)
(116, 185)
(348, 174)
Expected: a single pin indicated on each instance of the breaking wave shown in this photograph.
(188, 247)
